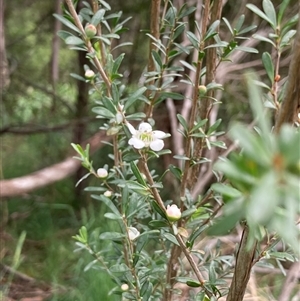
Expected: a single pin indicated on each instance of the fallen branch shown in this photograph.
(46, 176)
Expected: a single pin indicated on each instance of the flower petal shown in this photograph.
(145, 127)
(133, 233)
(137, 143)
(157, 145)
(131, 129)
(159, 134)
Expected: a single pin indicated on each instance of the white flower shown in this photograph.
(133, 233)
(107, 193)
(124, 287)
(102, 173)
(89, 74)
(173, 213)
(145, 137)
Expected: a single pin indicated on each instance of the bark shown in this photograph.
(55, 52)
(81, 113)
(290, 107)
(4, 70)
(49, 175)
(242, 270)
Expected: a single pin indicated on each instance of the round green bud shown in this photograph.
(90, 30)
(202, 90)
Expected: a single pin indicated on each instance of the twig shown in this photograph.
(291, 104)
(290, 282)
(90, 48)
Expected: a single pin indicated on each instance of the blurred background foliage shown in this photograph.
(35, 101)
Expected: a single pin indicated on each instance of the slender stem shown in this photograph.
(154, 30)
(90, 48)
(183, 247)
(99, 33)
(194, 108)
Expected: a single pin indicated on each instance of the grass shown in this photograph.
(48, 255)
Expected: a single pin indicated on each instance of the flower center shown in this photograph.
(147, 138)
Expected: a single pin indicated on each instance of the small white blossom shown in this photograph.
(102, 173)
(119, 117)
(133, 233)
(124, 287)
(173, 213)
(145, 137)
(89, 74)
(108, 193)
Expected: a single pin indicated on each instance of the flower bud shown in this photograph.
(202, 90)
(102, 173)
(119, 117)
(108, 193)
(90, 30)
(124, 287)
(173, 213)
(89, 74)
(133, 233)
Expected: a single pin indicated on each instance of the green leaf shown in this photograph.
(226, 190)
(264, 39)
(177, 172)
(173, 95)
(185, 11)
(178, 31)
(225, 223)
(115, 236)
(193, 39)
(67, 23)
(258, 109)
(156, 224)
(251, 144)
(270, 12)
(120, 269)
(64, 34)
(247, 29)
(214, 127)
(183, 122)
(136, 187)
(193, 283)
(137, 174)
(112, 216)
(239, 23)
(103, 112)
(258, 12)
(171, 238)
(156, 208)
(108, 103)
(117, 63)
(146, 290)
(72, 40)
(246, 49)
(263, 200)
(156, 57)
(268, 64)
(134, 97)
(284, 4)
(211, 30)
(286, 39)
(98, 17)
(187, 65)
(107, 202)
(228, 25)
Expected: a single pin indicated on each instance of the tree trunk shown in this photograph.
(4, 70)
(55, 52)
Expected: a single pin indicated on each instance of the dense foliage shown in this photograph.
(178, 178)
